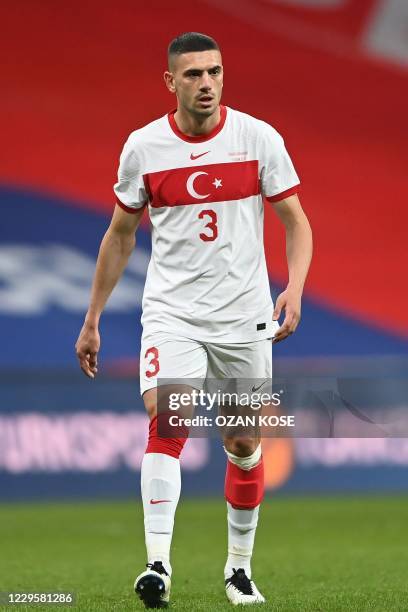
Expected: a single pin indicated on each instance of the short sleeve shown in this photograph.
(130, 190)
(278, 175)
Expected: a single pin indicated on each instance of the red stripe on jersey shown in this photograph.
(284, 194)
(203, 184)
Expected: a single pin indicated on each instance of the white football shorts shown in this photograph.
(168, 356)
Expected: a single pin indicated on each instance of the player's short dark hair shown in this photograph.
(190, 42)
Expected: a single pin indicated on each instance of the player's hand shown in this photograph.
(87, 347)
(289, 301)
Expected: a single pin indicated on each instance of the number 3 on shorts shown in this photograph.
(153, 362)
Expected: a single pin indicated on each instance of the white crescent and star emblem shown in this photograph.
(190, 185)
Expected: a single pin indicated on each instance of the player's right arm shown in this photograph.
(116, 247)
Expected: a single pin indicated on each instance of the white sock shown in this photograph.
(161, 485)
(241, 523)
(241, 535)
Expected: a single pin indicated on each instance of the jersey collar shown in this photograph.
(214, 132)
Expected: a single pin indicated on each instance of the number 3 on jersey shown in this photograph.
(211, 225)
(153, 365)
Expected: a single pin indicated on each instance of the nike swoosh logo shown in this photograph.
(192, 156)
(159, 501)
(257, 388)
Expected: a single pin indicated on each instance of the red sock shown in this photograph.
(244, 489)
(165, 438)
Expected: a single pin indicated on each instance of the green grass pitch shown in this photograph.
(311, 554)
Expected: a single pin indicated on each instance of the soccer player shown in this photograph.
(203, 172)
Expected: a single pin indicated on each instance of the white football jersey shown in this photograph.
(207, 277)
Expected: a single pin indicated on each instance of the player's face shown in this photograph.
(196, 79)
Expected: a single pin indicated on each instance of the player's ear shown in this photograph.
(169, 80)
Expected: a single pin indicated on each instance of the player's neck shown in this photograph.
(192, 125)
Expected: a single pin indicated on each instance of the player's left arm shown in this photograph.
(299, 248)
